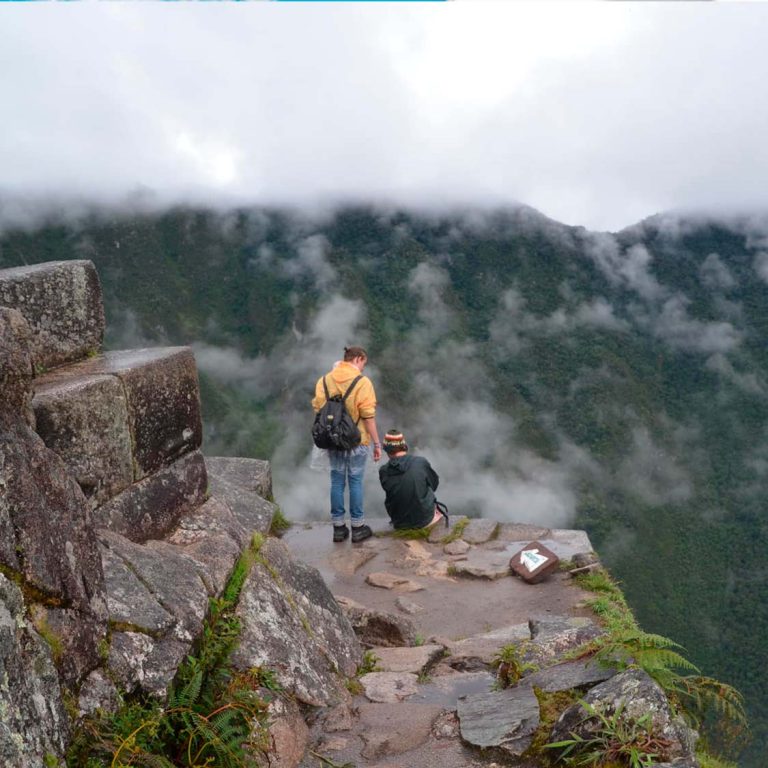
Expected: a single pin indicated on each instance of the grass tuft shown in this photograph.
(280, 523)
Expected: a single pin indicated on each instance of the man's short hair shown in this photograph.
(352, 353)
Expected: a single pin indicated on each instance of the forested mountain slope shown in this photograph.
(613, 382)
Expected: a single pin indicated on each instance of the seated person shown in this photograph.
(410, 483)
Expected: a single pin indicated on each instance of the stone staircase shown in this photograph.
(115, 531)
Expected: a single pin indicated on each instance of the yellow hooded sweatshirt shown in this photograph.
(361, 403)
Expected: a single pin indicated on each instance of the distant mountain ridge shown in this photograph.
(615, 381)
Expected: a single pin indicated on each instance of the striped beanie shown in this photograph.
(394, 441)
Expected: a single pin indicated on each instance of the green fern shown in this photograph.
(213, 717)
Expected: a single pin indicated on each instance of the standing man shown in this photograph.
(350, 465)
(410, 484)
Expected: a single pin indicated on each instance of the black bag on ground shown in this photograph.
(333, 427)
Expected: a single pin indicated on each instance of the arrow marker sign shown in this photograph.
(531, 559)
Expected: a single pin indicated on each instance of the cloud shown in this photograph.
(513, 325)
(750, 382)
(661, 311)
(227, 365)
(652, 473)
(714, 274)
(761, 265)
(627, 268)
(393, 114)
(676, 328)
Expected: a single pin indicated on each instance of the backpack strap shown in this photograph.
(350, 388)
(325, 387)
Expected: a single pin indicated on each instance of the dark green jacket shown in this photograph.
(410, 484)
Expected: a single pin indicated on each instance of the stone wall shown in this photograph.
(114, 531)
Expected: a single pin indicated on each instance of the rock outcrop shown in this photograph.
(118, 536)
(630, 697)
(33, 723)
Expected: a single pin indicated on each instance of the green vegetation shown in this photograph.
(551, 706)
(280, 523)
(456, 531)
(50, 636)
(214, 716)
(370, 663)
(714, 708)
(324, 760)
(618, 740)
(413, 534)
(509, 664)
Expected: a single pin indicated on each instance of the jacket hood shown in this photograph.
(343, 373)
(399, 464)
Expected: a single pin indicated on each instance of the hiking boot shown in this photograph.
(340, 533)
(361, 533)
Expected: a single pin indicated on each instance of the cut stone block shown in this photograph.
(570, 674)
(376, 628)
(479, 531)
(253, 513)
(567, 543)
(140, 661)
(483, 648)
(84, 419)
(416, 660)
(129, 602)
(391, 729)
(170, 578)
(291, 623)
(46, 535)
(15, 361)
(163, 398)
(389, 687)
(152, 507)
(391, 581)
(504, 719)
(438, 532)
(62, 303)
(249, 474)
(520, 532)
(483, 564)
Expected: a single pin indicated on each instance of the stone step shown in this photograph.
(254, 475)
(117, 418)
(62, 304)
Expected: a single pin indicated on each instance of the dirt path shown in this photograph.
(463, 606)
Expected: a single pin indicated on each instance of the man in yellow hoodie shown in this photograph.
(350, 465)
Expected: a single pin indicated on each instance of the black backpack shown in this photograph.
(333, 427)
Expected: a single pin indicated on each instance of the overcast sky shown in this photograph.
(596, 114)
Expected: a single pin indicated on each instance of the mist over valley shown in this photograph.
(552, 375)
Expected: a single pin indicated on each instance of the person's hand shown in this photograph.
(376, 451)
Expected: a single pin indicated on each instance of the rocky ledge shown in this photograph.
(435, 615)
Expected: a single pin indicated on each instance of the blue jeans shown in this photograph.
(347, 464)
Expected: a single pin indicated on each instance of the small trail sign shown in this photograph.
(534, 562)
